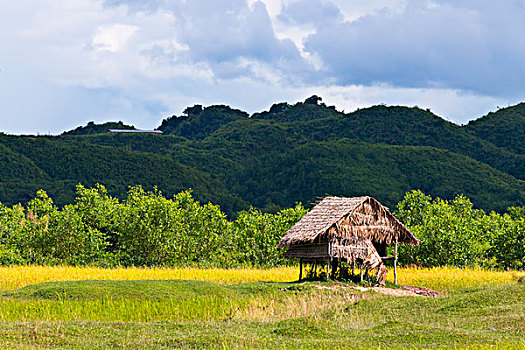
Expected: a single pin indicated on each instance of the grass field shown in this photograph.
(88, 308)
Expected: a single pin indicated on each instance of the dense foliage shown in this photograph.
(455, 233)
(145, 229)
(274, 158)
(197, 123)
(92, 128)
(148, 229)
(504, 128)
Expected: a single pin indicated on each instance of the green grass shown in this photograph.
(194, 314)
(128, 301)
(130, 290)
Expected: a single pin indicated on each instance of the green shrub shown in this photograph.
(257, 234)
(455, 233)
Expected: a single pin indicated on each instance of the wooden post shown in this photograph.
(361, 271)
(334, 266)
(315, 268)
(353, 267)
(300, 269)
(395, 262)
(328, 269)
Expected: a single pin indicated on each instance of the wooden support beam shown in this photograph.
(300, 269)
(328, 269)
(395, 263)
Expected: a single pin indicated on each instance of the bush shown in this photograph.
(455, 233)
(256, 235)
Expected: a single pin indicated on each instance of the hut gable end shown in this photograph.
(372, 221)
(345, 218)
(318, 220)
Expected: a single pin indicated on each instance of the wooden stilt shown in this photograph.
(353, 267)
(328, 269)
(395, 262)
(361, 271)
(300, 269)
(315, 268)
(333, 267)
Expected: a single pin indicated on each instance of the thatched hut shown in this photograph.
(347, 229)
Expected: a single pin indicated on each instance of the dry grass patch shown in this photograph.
(297, 305)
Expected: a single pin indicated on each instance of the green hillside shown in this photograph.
(402, 126)
(273, 159)
(69, 161)
(92, 128)
(349, 168)
(504, 128)
(20, 177)
(199, 123)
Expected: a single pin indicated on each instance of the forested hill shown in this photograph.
(275, 158)
(92, 128)
(504, 128)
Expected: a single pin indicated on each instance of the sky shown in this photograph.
(64, 63)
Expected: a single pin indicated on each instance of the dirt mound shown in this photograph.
(425, 292)
(405, 291)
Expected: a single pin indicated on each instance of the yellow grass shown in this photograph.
(442, 278)
(452, 278)
(20, 276)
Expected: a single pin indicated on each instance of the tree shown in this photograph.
(313, 100)
(257, 235)
(189, 111)
(279, 107)
(450, 232)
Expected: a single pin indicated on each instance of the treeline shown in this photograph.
(145, 229)
(148, 229)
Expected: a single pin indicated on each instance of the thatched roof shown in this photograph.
(345, 217)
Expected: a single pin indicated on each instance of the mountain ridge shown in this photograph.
(275, 158)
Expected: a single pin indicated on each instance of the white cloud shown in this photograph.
(64, 63)
(453, 105)
(113, 38)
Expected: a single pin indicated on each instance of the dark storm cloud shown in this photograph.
(475, 46)
(221, 31)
